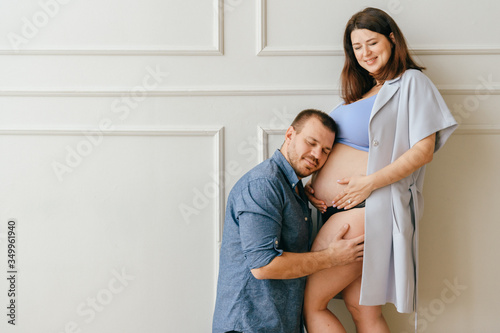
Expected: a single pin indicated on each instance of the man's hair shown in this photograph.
(299, 121)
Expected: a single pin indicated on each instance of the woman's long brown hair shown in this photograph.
(355, 80)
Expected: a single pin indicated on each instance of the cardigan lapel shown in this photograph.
(384, 95)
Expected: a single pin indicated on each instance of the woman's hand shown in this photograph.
(357, 189)
(360, 187)
(319, 204)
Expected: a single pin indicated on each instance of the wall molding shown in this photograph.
(337, 50)
(478, 130)
(217, 49)
(217, 134)
(263, 137)
(173, 92)
(261, 25)
(226, 91)
(467, 90)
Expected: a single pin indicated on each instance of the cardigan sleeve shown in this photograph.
(427, 110)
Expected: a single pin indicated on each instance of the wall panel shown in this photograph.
(316, 28)
(113, 27)
(174, 134)
(100, 216)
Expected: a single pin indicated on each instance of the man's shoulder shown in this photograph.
(267, 171)
(265, 174)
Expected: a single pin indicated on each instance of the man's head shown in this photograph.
(308, 141)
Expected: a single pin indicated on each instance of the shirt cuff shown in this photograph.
(263, 255)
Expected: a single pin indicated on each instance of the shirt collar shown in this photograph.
(285, 167)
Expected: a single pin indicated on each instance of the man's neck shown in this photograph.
(282, 150)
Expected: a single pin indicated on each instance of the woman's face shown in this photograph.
(372, 50)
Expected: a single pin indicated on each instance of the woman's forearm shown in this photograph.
(358, 188)
(416, 157)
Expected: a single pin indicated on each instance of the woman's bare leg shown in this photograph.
(322, 286)
(368, 319)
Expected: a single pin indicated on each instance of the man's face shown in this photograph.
(308, 150)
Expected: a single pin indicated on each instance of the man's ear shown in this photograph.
(288, 137)
(289, 133)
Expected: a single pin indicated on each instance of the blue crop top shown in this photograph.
(352, 120)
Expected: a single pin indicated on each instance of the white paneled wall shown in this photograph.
(113, 28)
(124, 124)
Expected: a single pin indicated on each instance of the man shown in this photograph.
(267, 235)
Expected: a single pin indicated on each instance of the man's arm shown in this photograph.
(294, 265)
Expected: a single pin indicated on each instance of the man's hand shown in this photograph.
(345, 251)
(319, 204)
(291, 265)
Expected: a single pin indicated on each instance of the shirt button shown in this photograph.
(375, 143)
(276, 242)
(306, 218)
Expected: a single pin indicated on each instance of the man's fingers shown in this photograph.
(318, 201)
(360, 240)
(311, 197)
(341, 233)
(315, 201)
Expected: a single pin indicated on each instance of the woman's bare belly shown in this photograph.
(344, 161)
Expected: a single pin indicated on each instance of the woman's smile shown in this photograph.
(372, 50)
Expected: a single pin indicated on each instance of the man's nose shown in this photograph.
(316, 152)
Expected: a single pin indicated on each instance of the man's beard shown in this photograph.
(295, 160)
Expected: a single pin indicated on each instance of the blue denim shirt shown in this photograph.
(264, 217)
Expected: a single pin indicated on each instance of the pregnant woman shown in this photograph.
(391, 122)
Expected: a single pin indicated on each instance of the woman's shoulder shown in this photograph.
(414, 74)
(417, 79)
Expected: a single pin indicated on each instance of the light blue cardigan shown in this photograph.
(406, 110)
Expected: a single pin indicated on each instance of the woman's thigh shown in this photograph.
(354, 217)
(324, 285)
(351, 295)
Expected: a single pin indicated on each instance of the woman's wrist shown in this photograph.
(372, 182)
